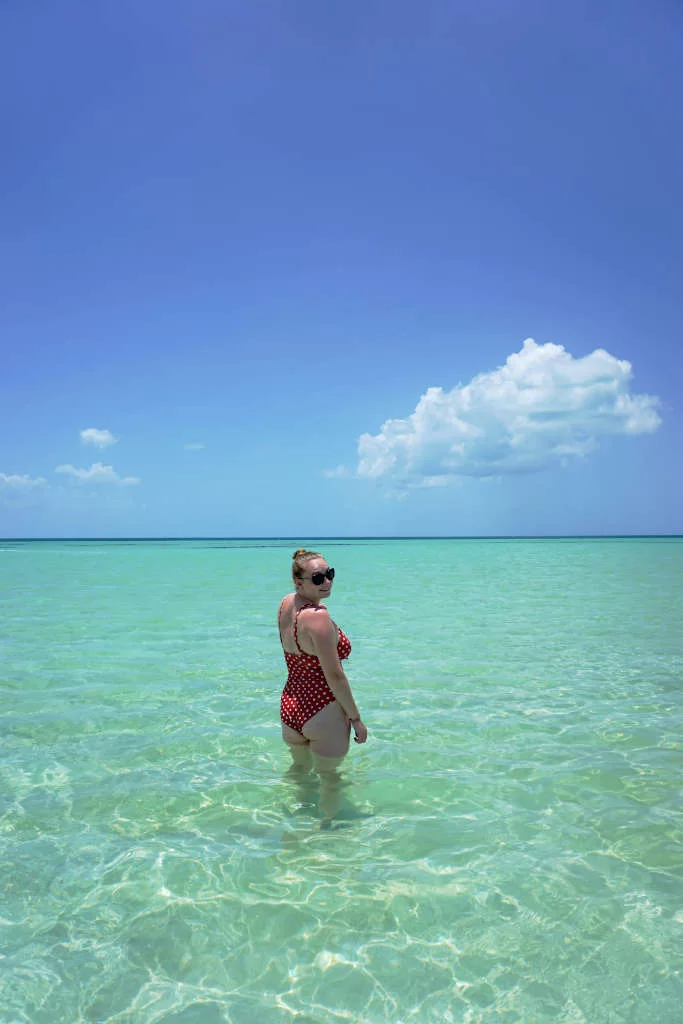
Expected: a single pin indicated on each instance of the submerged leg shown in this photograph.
(299, 748)
(327, 769)
(328, 734)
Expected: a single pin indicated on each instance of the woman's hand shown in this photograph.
(360, 730)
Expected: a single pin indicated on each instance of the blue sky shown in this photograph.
(270, 269)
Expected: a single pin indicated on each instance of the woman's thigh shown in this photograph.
(328, 731)
(292, 737)
(299, 747)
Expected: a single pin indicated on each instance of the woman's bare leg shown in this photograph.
(330, 784)
(299, 748)
(328, 733)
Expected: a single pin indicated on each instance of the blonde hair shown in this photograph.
(299, 559)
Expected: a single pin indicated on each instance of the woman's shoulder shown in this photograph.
(315, 616)
(285, 605)
(315, 609)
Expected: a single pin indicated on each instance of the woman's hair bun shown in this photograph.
(300, 557)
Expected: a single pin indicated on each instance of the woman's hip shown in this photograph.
(328, 722)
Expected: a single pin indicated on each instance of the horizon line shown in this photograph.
(493, 536)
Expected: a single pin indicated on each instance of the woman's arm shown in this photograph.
(323, 636)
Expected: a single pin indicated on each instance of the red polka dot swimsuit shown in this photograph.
(306, 691)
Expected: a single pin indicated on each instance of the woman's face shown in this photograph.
(307, 588)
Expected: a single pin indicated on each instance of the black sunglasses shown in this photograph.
(319, 577)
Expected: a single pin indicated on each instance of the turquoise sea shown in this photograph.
(508, 846)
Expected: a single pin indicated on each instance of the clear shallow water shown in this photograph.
(508, 847)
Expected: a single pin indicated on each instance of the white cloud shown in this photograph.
(21, 490)
(21, 483)
(98, 438)
(542, 407)
(338, 471)
(98, 474)
(195, 447)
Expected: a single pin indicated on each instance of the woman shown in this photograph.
(317, 707)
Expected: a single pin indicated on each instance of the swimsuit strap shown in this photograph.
(279, 620)
(296, 633)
